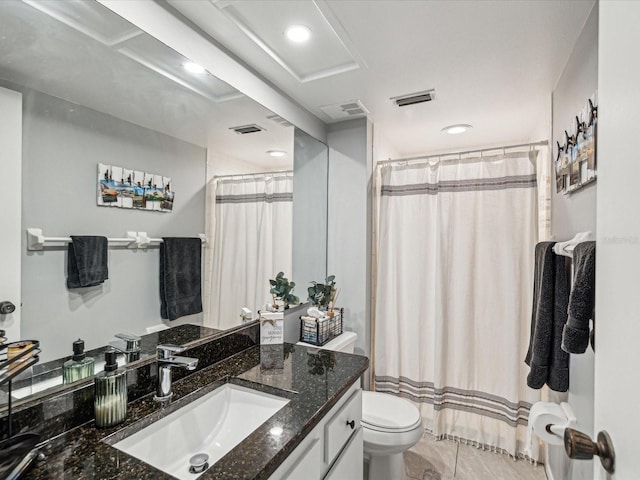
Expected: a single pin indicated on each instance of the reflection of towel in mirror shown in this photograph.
(575, 336)
(180, 264)
(87, 261)
(548, 362)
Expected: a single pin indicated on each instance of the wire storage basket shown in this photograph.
(318, 331)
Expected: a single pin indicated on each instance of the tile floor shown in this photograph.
(446, 460)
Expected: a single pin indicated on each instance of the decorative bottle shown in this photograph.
(110, 402)
(79, 366)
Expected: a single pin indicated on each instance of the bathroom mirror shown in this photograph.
(97, 90)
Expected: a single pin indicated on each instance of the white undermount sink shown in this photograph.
(212, 424)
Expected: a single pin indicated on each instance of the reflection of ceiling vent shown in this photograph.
(244, 129)
(413, 98)
(280, 120)
(350, 109)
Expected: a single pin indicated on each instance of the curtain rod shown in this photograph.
(240, 176)
(425, 157)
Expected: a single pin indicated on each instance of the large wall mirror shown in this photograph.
(97, 90)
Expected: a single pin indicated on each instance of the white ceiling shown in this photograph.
(493, 64)
(82, 52)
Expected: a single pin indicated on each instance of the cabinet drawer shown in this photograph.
(342, 425)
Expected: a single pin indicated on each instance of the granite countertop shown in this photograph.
(312, 379)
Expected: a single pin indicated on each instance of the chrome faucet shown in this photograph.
(130, 346)
(166, 361)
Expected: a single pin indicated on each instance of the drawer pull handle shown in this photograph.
(352, 424)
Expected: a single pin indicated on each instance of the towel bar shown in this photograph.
(37, 241)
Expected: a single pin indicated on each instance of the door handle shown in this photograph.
(579, 446)
(352, 424)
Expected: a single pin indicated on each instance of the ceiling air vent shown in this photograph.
(349, 109)
(413, 98)
(280, 120)
(244, 129)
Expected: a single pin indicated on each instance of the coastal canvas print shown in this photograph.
(126, 188)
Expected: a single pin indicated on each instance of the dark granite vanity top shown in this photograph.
(313, 380)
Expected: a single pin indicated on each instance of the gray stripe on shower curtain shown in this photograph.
(470, 185)
(255, 198)
(480, 403)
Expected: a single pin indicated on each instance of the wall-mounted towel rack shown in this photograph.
(37, 241)
(566, 248)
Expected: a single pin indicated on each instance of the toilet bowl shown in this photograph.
(390, 424)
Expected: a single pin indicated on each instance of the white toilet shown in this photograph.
(390, 424)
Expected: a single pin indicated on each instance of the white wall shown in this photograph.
(348, 254)
(10, 214)
(617, 359)
(579, 80)
(572, 214)
(62, 145)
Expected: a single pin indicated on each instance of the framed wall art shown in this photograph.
(125, 188)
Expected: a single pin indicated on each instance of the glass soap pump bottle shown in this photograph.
(79, 366)
(110, 403)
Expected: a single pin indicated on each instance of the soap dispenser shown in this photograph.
(110, 403)
(79, 366)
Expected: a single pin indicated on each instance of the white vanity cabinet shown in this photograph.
(333, 449)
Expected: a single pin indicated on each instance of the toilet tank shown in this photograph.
(345, 343)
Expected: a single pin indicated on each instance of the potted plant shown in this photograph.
(282, 291)
(321, 294)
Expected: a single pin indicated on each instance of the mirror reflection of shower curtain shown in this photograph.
(251, 227)
(456, 241)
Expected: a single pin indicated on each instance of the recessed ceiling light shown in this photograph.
(276, 153)
(298, 33)
(193, 68)
(455, 129)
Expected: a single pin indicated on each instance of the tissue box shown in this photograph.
(271, 328)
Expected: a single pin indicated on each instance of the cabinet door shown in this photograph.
(307, 467)
(349, 464)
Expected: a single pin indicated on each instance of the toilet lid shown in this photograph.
(388, 413)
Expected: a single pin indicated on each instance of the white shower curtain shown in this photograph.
(250, 220)
(454, 289)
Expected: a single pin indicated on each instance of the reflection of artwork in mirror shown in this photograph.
(121, 187)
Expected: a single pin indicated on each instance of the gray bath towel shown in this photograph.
(87, 261)
(548, 362)
(180, 264)
(575, 336)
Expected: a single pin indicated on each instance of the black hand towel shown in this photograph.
(87, 261)
(548, 362)
(180, 290)
(575, 336)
